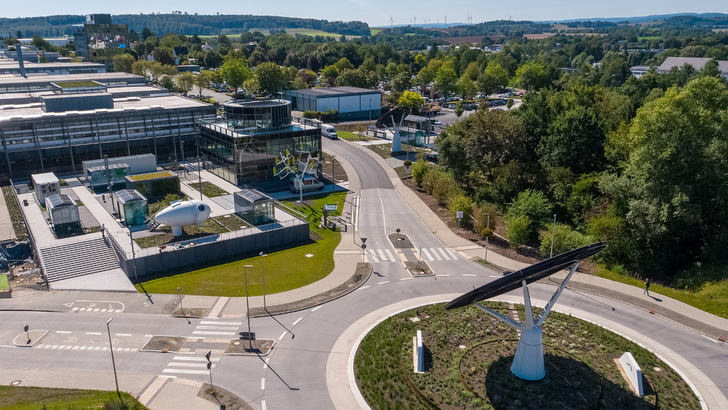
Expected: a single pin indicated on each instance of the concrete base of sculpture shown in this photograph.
(528, 363)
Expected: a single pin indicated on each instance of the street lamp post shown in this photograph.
(113, 363)
(487, 236)
(247, 303)
(262, 269)
(333, 177)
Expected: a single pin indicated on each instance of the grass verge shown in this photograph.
(16, 215)
(32, 398)
(468, 355)
(285, 269)
(209, 189)
(350, 136)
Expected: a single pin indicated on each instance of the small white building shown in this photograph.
(62, 210)
(45, 185)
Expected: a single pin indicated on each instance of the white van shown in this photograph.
(310, 183)
(329, 131)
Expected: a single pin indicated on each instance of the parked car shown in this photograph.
(329, 132)
(308, 182)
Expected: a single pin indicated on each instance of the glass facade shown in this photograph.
(242, 146)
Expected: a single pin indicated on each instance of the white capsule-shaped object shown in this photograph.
(184, 213)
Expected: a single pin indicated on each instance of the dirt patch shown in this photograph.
(245, 347)
(401, 241)
(223, 398)
(418, 269)
(26, 278)
(190, 312)
(160, 343)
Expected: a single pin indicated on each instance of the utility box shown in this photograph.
(45, 185)
(100, 175)
(131, 206)
(154, 184)
(63, 211)
(254, 207)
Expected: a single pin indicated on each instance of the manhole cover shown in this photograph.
(15, 382)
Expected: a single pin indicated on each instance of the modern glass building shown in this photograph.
(242, 145)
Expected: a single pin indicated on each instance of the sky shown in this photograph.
(378, 12)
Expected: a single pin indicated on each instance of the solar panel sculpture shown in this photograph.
(395, 117)
(528, 363)
(297, 166)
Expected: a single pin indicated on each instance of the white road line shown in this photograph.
(219, 323)
(389, 254)
(99, 348)
(316, 308)
(53, 347)
(297, 320)
(495, 276)
(84, 347)
(205, 327)
(265, 362)
(195, 359)
(67, 347)
(382, 256)
(444, 254)
(262, 404)
(444, 275)
(97, 310)
(193, 365)
(184, 371)
(469, 274)
(711, 339)
(93, 333)
(434, 252)
(373, 254)
(427, 253)
(76, 347)
(262, 383)
(452, 253)
(102, 310)
(282, 335)
(197, 332)
(118, 310)
(364, 287)
(123, 334)
(74, 309)
(63, 331)
(153, 388)
(406, 279)
(382, 283)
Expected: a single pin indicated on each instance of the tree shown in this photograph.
(203, 80)
(42, 44)
(459, 110)
(532, 204)
(446, 78)
(493, 79)
(329, 74)
(235, 71)
(163, 56)
(411, 100)
(518, 230)
(356, 78)
(146, 33)
(185, 81)
(213, 59)
(466, 87)
(272, 80)
(574, 140)
(402, 82)
(123, 63)
(167, 82)
(531, 76)
(711, 69)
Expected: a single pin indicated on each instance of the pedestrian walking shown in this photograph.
(647, 287)
(102, 230)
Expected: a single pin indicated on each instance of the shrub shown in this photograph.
(518, 230)
(418, 171)
(464, 204)
(565, 239)
(532, 204)
(480, 221)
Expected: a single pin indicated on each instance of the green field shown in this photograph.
(649, 38)
(285, 269)
(33, 398)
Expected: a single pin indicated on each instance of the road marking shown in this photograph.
(262, 403)
(75, 309)
(444, 275)
(75, 347)
(282, 335)
(391, 258)
(184, 371)
(711, 339)
(102, 310)
(406, 279)
(297, 320)
(153, 388)
(495, 276)
(217, 322)
(452, 253)
(434, 252)
(84, 347)
(183, 364)
(444, 254)
(382, 283)
(123, 334)
(265, 362)
(63, 331)
(68, 347)
(381, 255)
(262, 383)
(469, 274)
(205, 327)
(93, 333)
(218, 306)
(196, 332)
(427, 253)
(316, 308)
(195, 359)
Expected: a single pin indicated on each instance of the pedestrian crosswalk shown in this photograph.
(382, 255)
(189, 365)
(216, 328)
(90, 309)
(87, 348)
(438, 254)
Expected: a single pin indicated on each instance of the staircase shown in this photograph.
(151, 224)
(78, 259)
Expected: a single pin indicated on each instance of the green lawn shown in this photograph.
(209, 189)
(285, 269)
(350, 136)
(33, 398)
(4, 282)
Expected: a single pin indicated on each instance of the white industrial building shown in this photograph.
(351, 103)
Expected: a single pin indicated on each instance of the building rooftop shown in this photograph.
(59, 200)
(697, 63)
(45, 178)
(334, 91)
(34, 110)
(116, 92)
(10, 80)
(129, 195)
(151, 175)
(8, 64)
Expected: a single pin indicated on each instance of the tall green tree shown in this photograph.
(235, 71)
(493, 79)
(272, 80)
(185, 81)
(123, 63)
(411, 100)
(446, 78)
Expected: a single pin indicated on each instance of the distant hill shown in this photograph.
(186, 24)
(640, 19)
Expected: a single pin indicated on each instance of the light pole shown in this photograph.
(333, 178)
(199, 174)
(553, 235)
(247, 303)
(262, 269)
(113, 363)
(487, 236)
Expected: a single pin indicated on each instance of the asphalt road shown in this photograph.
(294, 375)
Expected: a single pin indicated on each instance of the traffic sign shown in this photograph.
(331, 207)
(460, 214)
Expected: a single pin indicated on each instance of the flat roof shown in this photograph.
(164, 102)
(139, 90)
(18, 81)
(334, 91)
(8, 63)
(44, 178)
(151, 175)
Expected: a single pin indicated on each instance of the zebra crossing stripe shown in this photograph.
(452, 253)
(381, 255)
(391, 257)
(434, 252)
(427, 253)
(444, 254)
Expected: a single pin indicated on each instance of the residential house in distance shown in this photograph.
(697, 62)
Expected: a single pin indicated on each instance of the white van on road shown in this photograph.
(329, 131)
(309, 183)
